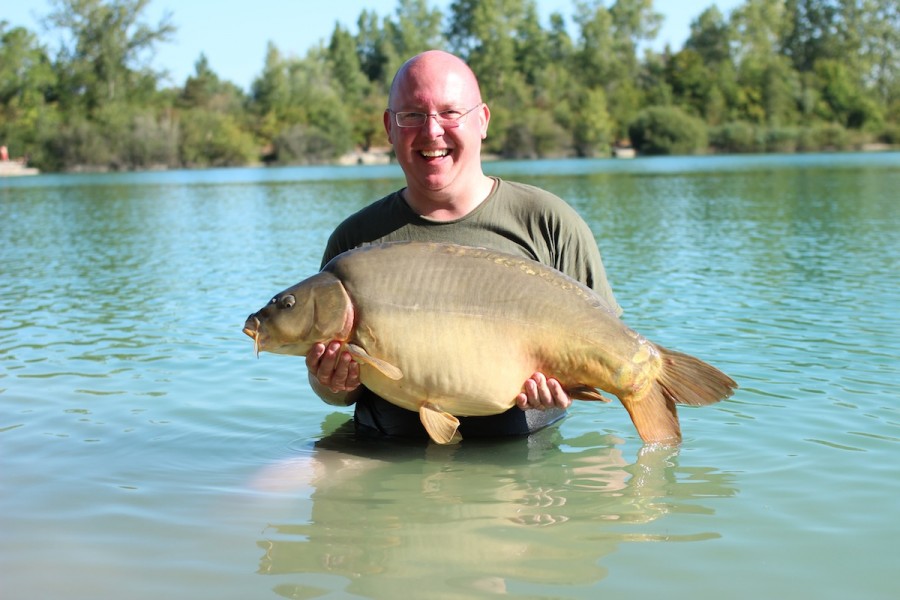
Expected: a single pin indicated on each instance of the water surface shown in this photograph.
(146, 453)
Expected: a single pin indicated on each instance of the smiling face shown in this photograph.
(442, 165)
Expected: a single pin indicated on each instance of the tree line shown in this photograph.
(771, 76)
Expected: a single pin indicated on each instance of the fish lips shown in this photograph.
(251, 329)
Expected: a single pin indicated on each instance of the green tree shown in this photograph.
(710, 37)
(532, 44)
(634, 21)
(414, 29)
(382, 49)
(108, 50)
(270, 92)
(483, 32)
(812, 33)
(374, 49)
(204, 89)
(594, 127)
(214, 139)
(315, 104)
(606, 53)
(595, 54)
(667, 130)
(691, 81)
(27, 92)
(775, 75)
(842, 99)
(488, 34)
(559, 43)
(345, 67)
(877, 28)
(654, 78)
(270, 96)
(768, 86)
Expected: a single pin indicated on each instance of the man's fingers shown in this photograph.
(341, 374)
(314, 356)
(540, 392)
(560, 397)
(544, 397)
(324, 371)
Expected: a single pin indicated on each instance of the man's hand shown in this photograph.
(542, 393)
(332, 368)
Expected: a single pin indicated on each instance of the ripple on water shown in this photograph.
(139, 432)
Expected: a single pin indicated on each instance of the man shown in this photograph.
(436, 121)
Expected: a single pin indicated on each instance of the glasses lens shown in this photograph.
(410, 119)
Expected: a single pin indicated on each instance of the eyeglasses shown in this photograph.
(447, 119)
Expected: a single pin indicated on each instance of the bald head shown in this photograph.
(423, 70)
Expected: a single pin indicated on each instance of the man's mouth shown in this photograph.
(441, 153)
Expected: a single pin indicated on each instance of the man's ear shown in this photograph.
(388, 124)
(485, 114)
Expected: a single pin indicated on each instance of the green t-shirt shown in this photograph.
(515, 218)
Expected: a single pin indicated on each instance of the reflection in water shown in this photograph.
(474, 518)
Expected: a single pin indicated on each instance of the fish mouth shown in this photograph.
(251, 328)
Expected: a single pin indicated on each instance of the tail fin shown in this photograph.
(691, 381)
(684, 379)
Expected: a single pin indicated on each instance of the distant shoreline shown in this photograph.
(384, 156)
(16, 168)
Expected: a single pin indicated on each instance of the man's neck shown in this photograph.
(447, 206)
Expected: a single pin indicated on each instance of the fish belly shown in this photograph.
(465, 366)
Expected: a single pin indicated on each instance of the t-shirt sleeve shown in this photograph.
(563, 239)
(579, 257)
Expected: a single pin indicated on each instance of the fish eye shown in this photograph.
(288, 301)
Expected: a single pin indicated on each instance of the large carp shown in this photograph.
(450, 330)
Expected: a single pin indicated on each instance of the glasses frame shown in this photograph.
(444, 122)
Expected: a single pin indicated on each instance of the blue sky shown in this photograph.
(233, 34)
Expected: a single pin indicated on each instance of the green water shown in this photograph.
(146, 453)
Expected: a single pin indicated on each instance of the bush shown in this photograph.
(536, 135)
(304, 144)
(151, 143)
(519, 143)
(79, 144)
(735, 137)
(782, 139)
(115, 140)
(667, 130)
(32, 137)
(890, 134)
(209, 139)
(829, 136)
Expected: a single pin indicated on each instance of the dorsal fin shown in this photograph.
(440, 425)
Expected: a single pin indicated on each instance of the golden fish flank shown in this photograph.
(444, 330)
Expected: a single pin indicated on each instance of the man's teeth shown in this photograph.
(435, 153)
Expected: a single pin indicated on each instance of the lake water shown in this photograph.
(146, 453)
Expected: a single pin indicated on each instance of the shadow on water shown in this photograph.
(379, 518)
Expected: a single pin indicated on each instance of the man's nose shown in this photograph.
(432, 126)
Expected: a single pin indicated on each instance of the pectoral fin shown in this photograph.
(585, 392)
(364, 358)
(441, 426)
